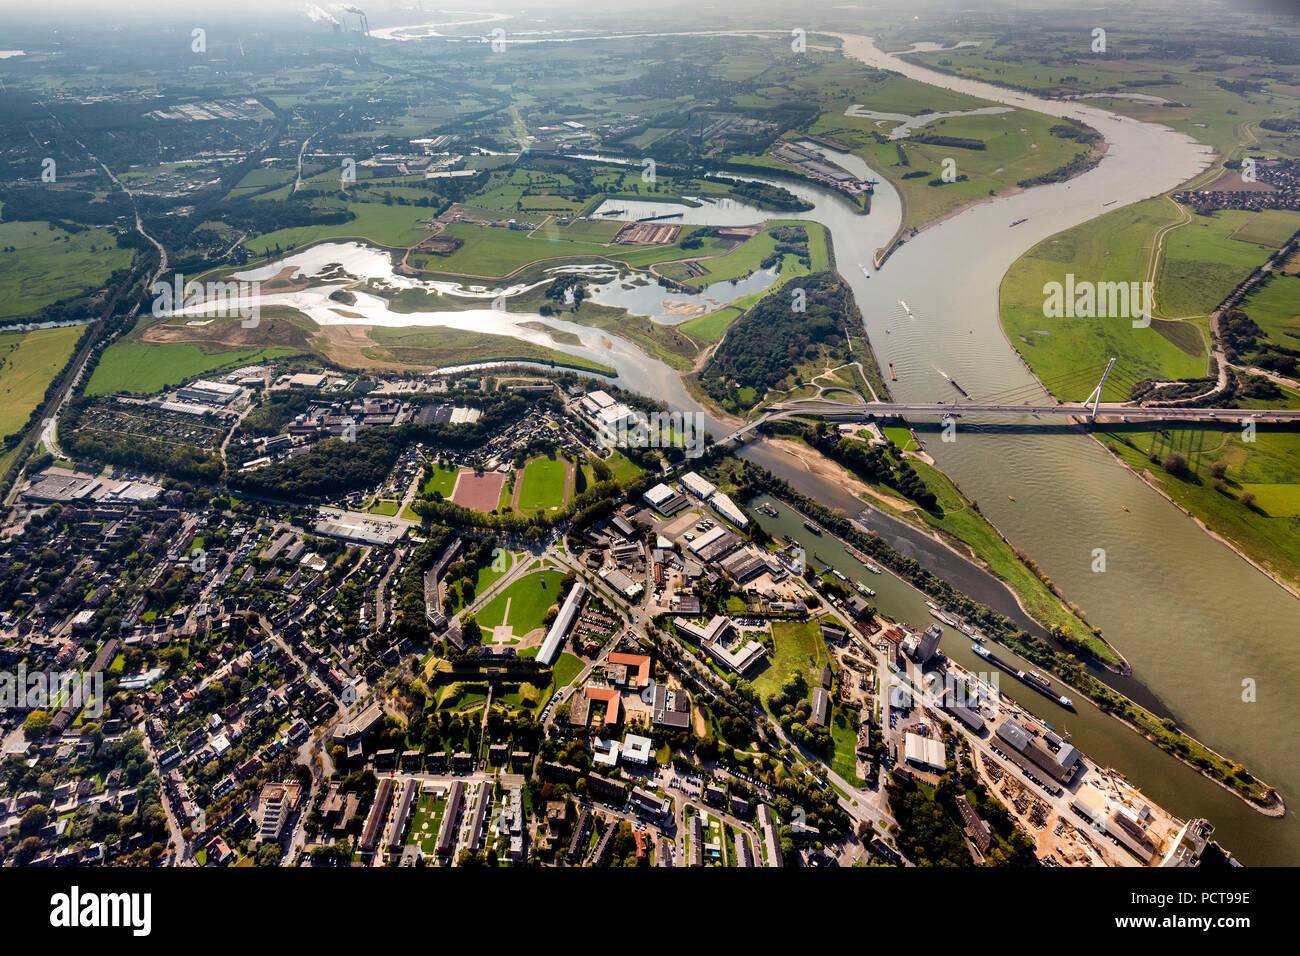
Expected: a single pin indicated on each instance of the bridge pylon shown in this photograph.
(1094, 398)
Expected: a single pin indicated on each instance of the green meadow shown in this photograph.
(143, 369)
(41, 265)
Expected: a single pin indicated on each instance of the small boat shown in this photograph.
(1011, 497)
(893, 376)
(1124, 507)
(864, 589)
(953, 382)
(865, 271)
(1018, 222)
(904, 305)
(812, 527)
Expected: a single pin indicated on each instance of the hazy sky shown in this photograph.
(71, 14)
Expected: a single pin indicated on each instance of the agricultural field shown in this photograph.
(137, 368)
(29, 361)
(394, 226)
(495, 253)
(1018, 146)
(434, 347)
(1178, 94)
(1275, 307)
(1208, 257)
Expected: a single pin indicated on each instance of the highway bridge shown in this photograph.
(1083, 411)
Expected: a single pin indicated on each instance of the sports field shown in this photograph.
(443, 481)
(543, 484)
(478, 492)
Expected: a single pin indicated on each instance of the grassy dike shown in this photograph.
(1165, 734)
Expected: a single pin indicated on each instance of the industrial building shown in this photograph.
(729, 510)
(700, 487)
(1059, 766)
(664, 500)
(209, 393)
(925, 752)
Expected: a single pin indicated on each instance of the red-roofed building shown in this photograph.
(638, 661)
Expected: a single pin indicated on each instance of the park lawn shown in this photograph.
(799, 647)
(29, 361)
(46, 265)
(530, 598)
(426, 821)
(443, 481)
(543, 484)
(1269, 467)
(565, 669)
(384, 506)
(622, 467)
(487, 576)
(1113, 248)
(144, 369)
(902, 437)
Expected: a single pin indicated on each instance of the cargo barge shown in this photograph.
(1031, 679)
